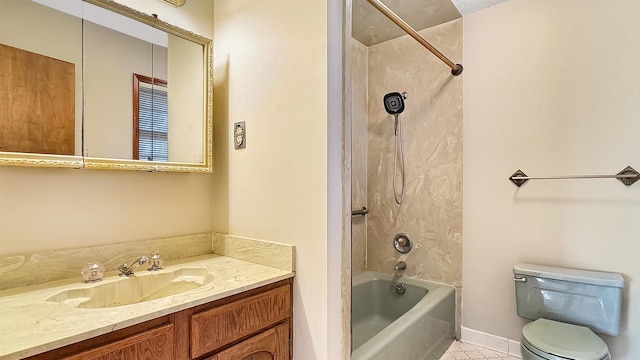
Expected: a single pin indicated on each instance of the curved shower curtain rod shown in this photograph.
(456, 69)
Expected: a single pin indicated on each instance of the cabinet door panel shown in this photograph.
(155, 344)
(238, 319)
(272, 344)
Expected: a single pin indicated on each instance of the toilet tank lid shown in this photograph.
(574, 275)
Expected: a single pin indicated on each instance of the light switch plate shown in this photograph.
(239, 135)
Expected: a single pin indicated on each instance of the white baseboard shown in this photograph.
(492, 342)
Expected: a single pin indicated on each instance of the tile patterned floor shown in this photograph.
(461, 351)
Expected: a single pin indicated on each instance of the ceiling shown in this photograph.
(370, 27)
(467, 7)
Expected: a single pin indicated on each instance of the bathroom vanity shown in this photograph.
(242, 310)
(251, 323)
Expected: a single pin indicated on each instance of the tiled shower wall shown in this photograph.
(432, 125)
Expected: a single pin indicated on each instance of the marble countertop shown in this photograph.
(31, 325)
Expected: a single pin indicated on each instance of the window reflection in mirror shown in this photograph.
(150, 119)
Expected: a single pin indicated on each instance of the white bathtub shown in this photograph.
(417, 325)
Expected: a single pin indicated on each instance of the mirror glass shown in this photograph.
(137, 91)
(40, 85)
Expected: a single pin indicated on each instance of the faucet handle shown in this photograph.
(155, 262)
(92, 272)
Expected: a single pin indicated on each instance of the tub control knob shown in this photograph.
(402, 242)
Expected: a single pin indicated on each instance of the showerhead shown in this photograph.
(394, 103)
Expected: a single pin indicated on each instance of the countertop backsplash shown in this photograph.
(50, 265)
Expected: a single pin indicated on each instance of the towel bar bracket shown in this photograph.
(517, 176)
(628, 176)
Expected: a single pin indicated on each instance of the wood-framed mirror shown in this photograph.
(113, 120)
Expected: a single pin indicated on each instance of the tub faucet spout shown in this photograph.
(400, 266)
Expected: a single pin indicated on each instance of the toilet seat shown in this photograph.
(553, 340)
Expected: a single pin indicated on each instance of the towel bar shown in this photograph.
(627, 176)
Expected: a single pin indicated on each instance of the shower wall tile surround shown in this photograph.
(432, 129)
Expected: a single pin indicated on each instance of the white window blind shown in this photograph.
(153, 125)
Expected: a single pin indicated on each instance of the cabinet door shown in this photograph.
(155, 344)
(215, 328)
(272, 344)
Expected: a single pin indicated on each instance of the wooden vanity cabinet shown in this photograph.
(253, 325)
(151, 344)
(268, 345)
(152, 339)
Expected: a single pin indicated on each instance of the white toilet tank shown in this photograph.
(588, 298)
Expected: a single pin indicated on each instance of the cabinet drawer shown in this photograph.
(217, 327)
(268, 345)
(155, 344)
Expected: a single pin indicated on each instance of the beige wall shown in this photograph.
(63, 208)
(431, 213)
(43, 209)
(550, 87)
(271, 71)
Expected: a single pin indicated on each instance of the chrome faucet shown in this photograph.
(126, 270)
(400, 266)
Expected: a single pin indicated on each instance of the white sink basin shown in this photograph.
(143, 286)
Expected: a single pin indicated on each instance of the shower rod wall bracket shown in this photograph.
(628, 176)
(457, 71)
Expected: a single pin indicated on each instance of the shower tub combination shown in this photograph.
(399, 318)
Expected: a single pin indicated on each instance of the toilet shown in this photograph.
(568, 307)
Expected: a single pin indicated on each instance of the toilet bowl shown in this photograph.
(544, 339)
(567, 306)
